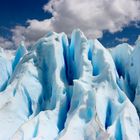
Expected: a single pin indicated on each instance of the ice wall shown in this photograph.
(70, 91)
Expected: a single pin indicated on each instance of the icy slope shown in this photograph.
(70, 91)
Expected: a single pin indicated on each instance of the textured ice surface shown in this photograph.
(70, 91)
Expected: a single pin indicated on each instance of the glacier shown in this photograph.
(70, 89)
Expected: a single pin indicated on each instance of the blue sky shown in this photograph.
(130, 32)
(15, 13)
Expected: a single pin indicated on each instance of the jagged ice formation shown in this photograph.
(77, 90)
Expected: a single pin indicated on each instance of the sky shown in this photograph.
(111, 21)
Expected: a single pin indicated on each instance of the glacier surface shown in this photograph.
(70, 90)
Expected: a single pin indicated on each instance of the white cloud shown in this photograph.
(91, 16)
(32, 32)
(5, 43)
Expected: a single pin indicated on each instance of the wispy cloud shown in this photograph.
(122, 40)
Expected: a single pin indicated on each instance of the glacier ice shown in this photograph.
(5, 70)
(70, 90)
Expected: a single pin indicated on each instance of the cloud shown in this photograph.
(91, 16)
(122, 40)
(5, 43)
(32, 32)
